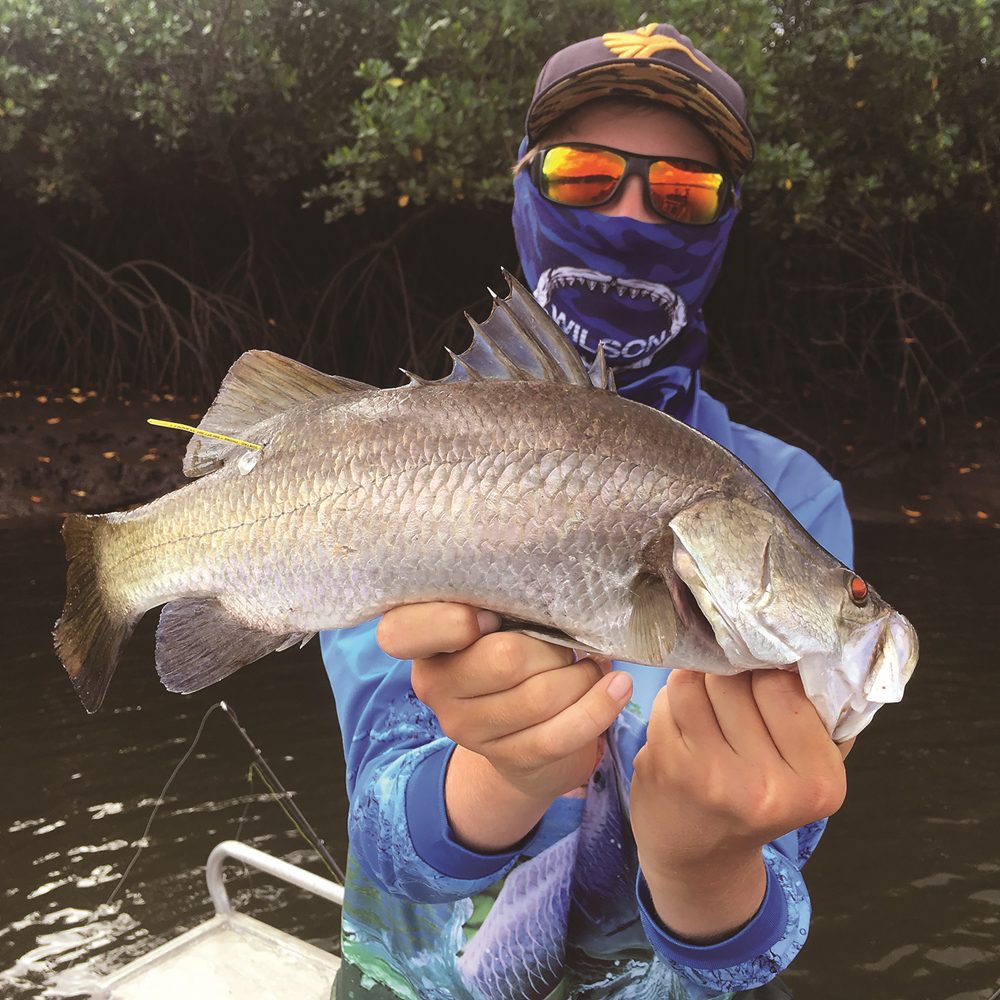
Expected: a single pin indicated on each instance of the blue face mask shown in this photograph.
(636, 287)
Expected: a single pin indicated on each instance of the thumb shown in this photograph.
(581, 723)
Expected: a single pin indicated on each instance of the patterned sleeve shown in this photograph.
(396, 759)
(756, 953)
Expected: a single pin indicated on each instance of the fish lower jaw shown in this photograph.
(836, 695)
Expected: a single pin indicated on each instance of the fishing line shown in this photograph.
(303, 825)
(253, 771)
(239, 834)
(160, 799)
(269, 779)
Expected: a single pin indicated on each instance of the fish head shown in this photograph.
(775, 598)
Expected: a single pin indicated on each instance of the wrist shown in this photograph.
(770, 930)
(487, 812)
(707, 900)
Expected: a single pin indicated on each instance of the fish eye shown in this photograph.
(858, 590)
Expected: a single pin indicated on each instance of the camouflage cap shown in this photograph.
(655, 62)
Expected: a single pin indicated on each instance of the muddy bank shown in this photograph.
(64, 449)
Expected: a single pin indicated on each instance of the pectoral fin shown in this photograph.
(653, 624)
(198, 642)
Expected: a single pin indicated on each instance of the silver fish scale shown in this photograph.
(458, 494)
(530, 498)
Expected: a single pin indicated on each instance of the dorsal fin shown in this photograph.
(506, 329)
(487, 358)
(521, 303)
(600, 374)
(260, 384)
(519, 341)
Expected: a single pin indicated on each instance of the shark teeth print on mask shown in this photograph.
(628, 288)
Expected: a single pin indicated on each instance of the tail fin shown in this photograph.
(94, 624)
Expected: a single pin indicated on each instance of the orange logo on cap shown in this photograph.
(642, 43)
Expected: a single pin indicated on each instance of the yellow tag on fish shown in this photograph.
(199, 431)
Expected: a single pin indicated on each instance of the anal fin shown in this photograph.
(198, 642)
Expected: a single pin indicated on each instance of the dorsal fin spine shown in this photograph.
(480, 335)
(550, 369)
(414, 379)
(544, 329)
(600, 372)
(465, 370)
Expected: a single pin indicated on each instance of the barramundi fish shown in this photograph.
(521, 482)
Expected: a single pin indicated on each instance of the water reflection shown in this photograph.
(905, 886)
(79, 790)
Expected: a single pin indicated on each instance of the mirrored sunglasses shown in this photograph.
(583, 175)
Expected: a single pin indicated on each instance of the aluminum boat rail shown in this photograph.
(233, 954)
(284, 870)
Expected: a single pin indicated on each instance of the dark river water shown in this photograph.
(905, 884)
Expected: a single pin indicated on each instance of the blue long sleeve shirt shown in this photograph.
(567, 907)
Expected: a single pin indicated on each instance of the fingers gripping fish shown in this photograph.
(521, 482)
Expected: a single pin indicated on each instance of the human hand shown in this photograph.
(522, 704)
(730, 763)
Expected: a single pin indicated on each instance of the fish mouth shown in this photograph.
(870, 671)
(663, 296)
(891, 661)
(847, 677)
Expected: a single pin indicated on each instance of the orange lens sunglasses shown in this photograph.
(582, 175)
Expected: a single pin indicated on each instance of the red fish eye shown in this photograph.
(859, 590)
